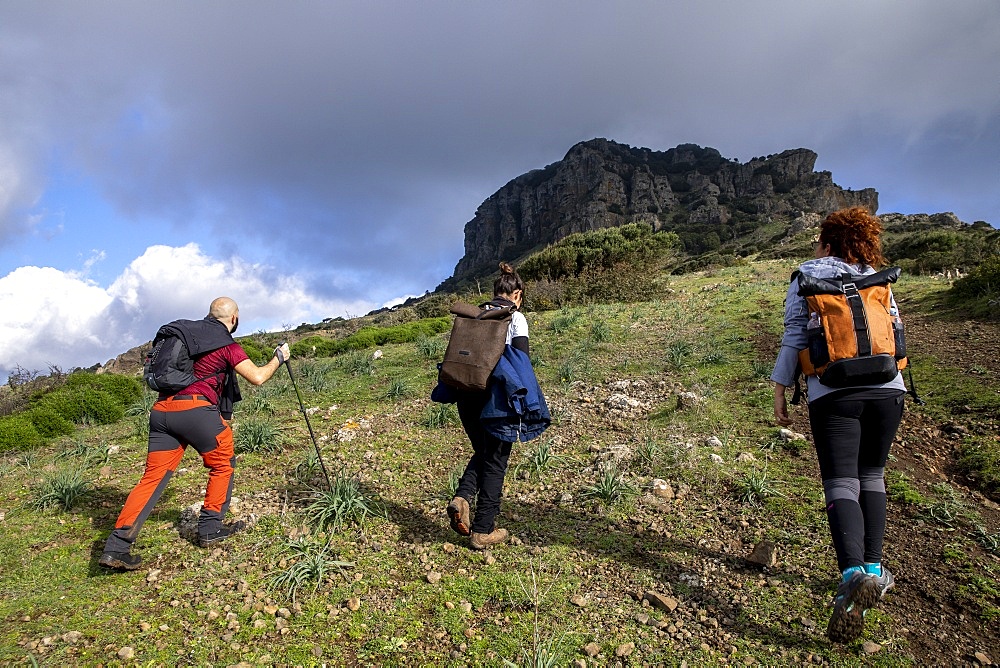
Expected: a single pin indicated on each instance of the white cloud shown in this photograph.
(61, 319)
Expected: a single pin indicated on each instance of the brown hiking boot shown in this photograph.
(482, 541)
(458, 513)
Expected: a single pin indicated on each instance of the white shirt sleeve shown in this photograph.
(518, 326)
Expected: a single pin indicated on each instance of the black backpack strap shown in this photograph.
(913, 388)
(857, 306)
(797, 392)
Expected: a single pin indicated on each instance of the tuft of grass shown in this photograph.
(257, 435)
(316, 375)
(572, 367)
(257, 404)
(715, 358)
(358, 363)
(308, 467)
(272, 389)
(454, 476)
(64, 489)
(540, 654)
(541, 456)
(899, 489)
(86, 451)
(311, 564)
(141, 407)
(949, 510)
(398, 389)
(438, 416)
(756, 486)
(431, 347)
(345, 504)
(600, 332)
(760, 370)
(678, 354)
(609, 488)
(563, 322)
(989, 541)
(648, 452)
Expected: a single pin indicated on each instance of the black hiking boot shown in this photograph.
(222, 534)
(120, 561)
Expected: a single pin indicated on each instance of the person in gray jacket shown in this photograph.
(852, 427)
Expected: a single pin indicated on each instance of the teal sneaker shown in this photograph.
(857, 593)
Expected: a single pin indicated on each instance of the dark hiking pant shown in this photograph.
(853, 432)
(175, 423)
(484, 475)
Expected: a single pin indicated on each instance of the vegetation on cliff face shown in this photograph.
(635, 244)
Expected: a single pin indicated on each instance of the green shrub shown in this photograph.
(981, 287)
(17, 432)
(369, 337)
(259, 352)
(87, 397)
(125, 389)
(634, 243)
(48, 422)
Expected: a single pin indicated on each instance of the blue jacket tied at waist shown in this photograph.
(516, 409)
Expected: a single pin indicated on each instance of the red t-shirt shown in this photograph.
(212, 368)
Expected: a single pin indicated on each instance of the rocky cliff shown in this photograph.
(706, 198)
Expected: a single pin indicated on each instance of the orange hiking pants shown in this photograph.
(175, 423)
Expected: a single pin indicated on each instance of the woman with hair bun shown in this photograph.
(484, 475)
(852, 427)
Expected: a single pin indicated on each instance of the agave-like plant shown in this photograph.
(65, 489)
(311, 564)
(343, 505)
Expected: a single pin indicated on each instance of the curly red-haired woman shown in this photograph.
(852, 427)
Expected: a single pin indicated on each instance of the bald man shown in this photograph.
(198, 416)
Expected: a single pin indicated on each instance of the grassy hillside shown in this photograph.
(606, 568)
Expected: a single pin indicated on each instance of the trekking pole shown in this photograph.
(311, 434)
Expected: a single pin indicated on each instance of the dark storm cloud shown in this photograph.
(352, 141)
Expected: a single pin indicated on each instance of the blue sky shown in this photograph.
(321, 159)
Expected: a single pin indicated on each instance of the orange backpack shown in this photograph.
(855, 336)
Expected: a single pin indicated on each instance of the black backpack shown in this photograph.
(169, 367)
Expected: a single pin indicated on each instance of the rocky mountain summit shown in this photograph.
(696, 192)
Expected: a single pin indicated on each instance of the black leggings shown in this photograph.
(484, 475)
(852, 432)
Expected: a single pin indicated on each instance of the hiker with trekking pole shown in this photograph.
(193, 366)
(843, 329)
